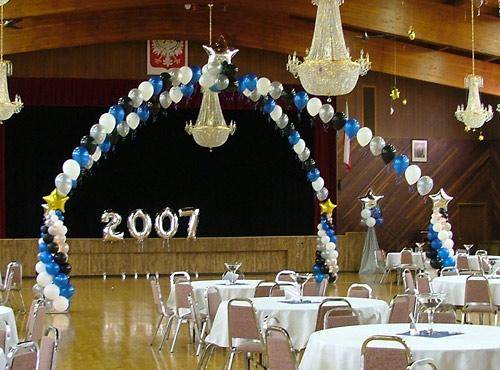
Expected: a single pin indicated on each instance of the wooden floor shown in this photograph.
(111, 322)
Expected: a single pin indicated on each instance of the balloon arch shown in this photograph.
(159, 93)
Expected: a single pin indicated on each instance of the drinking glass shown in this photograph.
(300, 280)
(468, 247)
(430, 301)
(232, 268)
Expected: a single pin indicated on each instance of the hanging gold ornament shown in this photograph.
(394, 93)
(411, 33)
(481, 137)
(404, 101)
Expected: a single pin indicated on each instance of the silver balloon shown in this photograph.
(63, 183)
(123, 129)
(213, 68)
(222, 82)
(165, 100)
(132, 225)
(326, 113)
(112, 220)
(283, 121)
(89, 164)
(174, 224)
(194, 215)
(370, 200)
(376, 145)
(98, 133)
(275, 90)
(255, 96)
(304, 156)
(175, 76)
(136, 97)
(322, 195)
(424, 185)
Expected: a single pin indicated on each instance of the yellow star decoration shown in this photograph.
(55, 201)
(327, 207)
(394, 93)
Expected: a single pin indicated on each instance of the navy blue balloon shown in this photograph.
(45, 257)
(68, 291)
(351, 127)
(250, 82)
(61, 280)
(196, 74)
(294, 137)
(42, 247)
(443, 253)
(376, 212)
(379, 221)
(241, 84)
(429, 228)
(431, 235)
(269, 106)
(400, 164)
(81, 155)
(74, 183)
(157, 83)
(326, 227)
(330, 233)
(118, 112)
(319, 278)
(300, 100)
(313, 174)
(58, 213)
(333, 239)
(143, 113)
(449, 262)
(52, 268)
(105, 146)
(187, 90)
(316, 269)
(436, 244)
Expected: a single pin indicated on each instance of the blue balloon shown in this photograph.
(351, 127)
(379, 220)
(105, 146)
(74, 183)
(294, 137)
(269, 106)
(429, 228)
(157, 83)
(196, 74)
(326, 227)
(443, 253)
(333, 239)
(58, 212)
(187, 90)
(431, 235)
(250, 82)
(67, 291)
(316, 269)
(400, 164)
(313, 174)
(449, 262)
(45, 257)
(241, 84)
(319, 277)
(300, 100)
(52, 268)
(81, 155)
(42, 247)
(118, 112)
(61, 280)
(330, 233)
(143, 112)
(376, 212)
(436, 244)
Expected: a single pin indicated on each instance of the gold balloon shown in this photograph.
(327, 207)
(394, 93)
(55, 201)
(411, 33)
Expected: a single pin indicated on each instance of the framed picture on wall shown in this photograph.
(419, 150)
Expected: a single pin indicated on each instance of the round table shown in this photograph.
(7, 315)
(393, 259)
(454, 287)
(242, 289)
(299, 319)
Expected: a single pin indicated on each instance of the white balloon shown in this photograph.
(325, 239)
(320, 227)
(321, 232)
(61, 304)
(366, 214)
(412, 174)
(331, 245)
(59, 239)
(51, 291)
(43, 279)
(450, 234)
(370, 222)
(40, 267)
(108, 121)
(64, 248)
(63, 183)
(318, 184)
(334, 255)
(443, 235)
(97, 154)
(326, 113)
(300, 146)
(364, 136)
(313, 106)
(207, 80)
(448, 243)
(71, 168)
(176, 94)
(136, 96)
(436, 227)
(246, 92)
(147, 90)
(186, 74)
(276, 113)
(133, 120)
(165, 100)
(263, 86)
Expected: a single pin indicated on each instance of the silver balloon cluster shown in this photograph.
(328, 250)
(370, 211)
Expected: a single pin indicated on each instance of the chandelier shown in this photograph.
(7, 107)
(210, 129)
(327, 69)
(475, 114)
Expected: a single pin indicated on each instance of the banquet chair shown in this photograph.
(401, 307)
(285, 276)
(161, 309)
(17, 281)
(182, 311)
(462, 264)
(445, 314)
(5, 335)
(24, 356)
(278, 289)
(243, 325)
(408, 282)
(481, 252)
(179, 276)
(484, 264)
(199, 325)
(359, 291)
(263, 289)
(36, 320)
(214, 300)
(423, 283)
(6, 289)
(280, 353)
(313, 289)
(448, 271)
(381, 259)
(48, 349)
(333, 319)
(478, 299)
(407, 260)
(377, 358)
(425, 362)
(345, 309)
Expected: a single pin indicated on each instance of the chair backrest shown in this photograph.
(280, 353)
(278, 290)
(449, 271)
(179, 276)
(477, 290)
(23, 356)
(359, 291)
(197, 321)
(423, 283)
(406, 257)
(313, 289)
(380, 256)
(462, 262)
(485, 264)
(48, 349)
(36, 320)
(408, 281)
(5, 335)
(378, 358)
(214, 300)
(402, 306)
(182, 292)
(263, 289)
(335, 320)
(427, 363)
(157, 299)
(285, 276)
(481, 252)
(445, 314)
(242, 321)
(343, 308)
(7, 286)
(17, 278)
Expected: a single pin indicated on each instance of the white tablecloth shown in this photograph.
(393, 259)
(244, 289)
(454, 287)
(7, 314)
(340, 349)
(298, 319)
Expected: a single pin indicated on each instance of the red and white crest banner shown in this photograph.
(166, 54)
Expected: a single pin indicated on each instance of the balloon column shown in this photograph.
(439, 232)
(325, 265)
(371, 214)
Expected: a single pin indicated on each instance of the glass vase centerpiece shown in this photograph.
(430, 302)
(232, 268)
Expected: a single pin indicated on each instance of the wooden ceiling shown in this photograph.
(440, 53)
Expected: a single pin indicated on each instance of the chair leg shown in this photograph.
(230, 359)
(177, 329)
(200, 339)
(169, 326)
(201, 360)
(246, 358)
(22, 301)
(464, 316)
(156, 331)
(386, 271)
(496, 318)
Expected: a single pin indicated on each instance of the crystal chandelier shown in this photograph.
(327, 69)
(7, 107)
(210, 129)
(475, 114)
